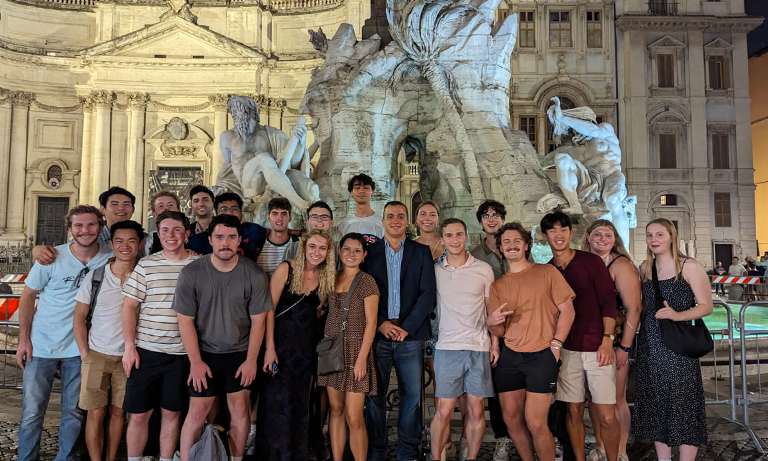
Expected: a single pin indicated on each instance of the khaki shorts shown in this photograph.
(100, 372)
(578, 366)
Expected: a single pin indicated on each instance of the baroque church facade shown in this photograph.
(133, 93)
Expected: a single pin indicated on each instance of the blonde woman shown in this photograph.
(669, 394)
(603, 239)
(298, 287)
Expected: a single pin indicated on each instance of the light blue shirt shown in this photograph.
(52, 334)
(394, 265)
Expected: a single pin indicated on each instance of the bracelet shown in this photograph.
(557, 340)
(555, 346)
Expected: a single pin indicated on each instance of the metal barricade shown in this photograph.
(10, 375)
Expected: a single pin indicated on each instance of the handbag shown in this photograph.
(330, 351)
(684, 338)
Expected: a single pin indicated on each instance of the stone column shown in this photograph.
(137, 106)
(5, 152)
(17, 172)
(101, 148)
(86, 161)
(219, 103)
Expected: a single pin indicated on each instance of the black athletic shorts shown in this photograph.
(533, 371)
(160, 379)
(223, 368)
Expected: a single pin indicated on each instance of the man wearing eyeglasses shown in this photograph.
(49, 341)
(319, 216)
(490, 215)
(254, 235)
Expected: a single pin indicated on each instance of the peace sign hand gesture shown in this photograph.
(498, 317)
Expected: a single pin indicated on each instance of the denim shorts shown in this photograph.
(457, 372)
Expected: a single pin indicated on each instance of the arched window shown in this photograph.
(415, 202)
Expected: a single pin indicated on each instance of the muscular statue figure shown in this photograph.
(588, 167)
(257, 156)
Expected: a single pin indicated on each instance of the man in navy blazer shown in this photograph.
(405, 274)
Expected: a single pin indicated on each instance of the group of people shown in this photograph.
(196, 315)
(748, 268)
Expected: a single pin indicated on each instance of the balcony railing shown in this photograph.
(662, 8)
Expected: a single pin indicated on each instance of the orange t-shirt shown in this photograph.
(534, 295)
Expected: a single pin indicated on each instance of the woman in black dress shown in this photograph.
(299, 287)
(669, 394)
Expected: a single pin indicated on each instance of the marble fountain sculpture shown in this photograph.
(440, 91)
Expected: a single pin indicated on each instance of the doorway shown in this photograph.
(723, 253)
(50, 220)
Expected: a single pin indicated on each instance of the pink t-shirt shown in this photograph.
(461, 293)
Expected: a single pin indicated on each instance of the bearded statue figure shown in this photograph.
(257, 156)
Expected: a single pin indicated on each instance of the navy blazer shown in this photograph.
(418, 290)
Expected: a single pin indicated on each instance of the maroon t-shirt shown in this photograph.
(595, 299)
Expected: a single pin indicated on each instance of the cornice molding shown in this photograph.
(740, 24)
(277, 7)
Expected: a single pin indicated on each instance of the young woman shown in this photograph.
(669, 394)
(347, 388)
(603, 239)
(299, 286)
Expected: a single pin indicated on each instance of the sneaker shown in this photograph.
(623, 457)
(250, 443)
(450, 450)
(597, 454)
(177, 456)
(501, 453)
(149, 458)
(558, 450)
(463, 449)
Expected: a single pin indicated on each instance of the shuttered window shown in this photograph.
(665, 64)
(667, 151)
(722, 209)
(720, 152)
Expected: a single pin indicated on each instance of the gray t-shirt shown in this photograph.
(222, 302)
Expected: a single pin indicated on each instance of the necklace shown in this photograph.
(309, 282)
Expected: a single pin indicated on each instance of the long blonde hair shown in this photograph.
(327, 278)
(618, 243)
(676, 255)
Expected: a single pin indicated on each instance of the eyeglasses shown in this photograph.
(356, 251)
(79, 279)
(488, 217)
(320, 217)
(224, 210)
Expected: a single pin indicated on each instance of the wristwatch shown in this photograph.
(613, 337)
(625, 349)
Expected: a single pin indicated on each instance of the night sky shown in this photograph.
(758, 38)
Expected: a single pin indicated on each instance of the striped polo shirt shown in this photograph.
(153, 283)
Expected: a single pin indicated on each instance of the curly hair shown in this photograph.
(327, 278)
(84, 209)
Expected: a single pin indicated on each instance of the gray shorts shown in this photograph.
(457, 372)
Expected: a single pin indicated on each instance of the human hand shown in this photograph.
(401, 334)
(197, 373)
(270, 357)
(361, 368)
(498, 317)
(23, 352)
(495, 353)
(605, 354)
(555, 352)
(390, 330)
(130, 360)
(84, 352)
(247, 372)
(622, 358)
(668, 313)
(44, 254)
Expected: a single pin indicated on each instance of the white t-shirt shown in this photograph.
(737, 270)
(371, 227)
(106, 334)
(461, 293)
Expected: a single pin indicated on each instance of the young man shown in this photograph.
(253, 237)
(364, 221)
(155, 360)
(117, 204)
(48, 342)
(161, 201)
(221, 301)
(490, 215)
(532, 310)
(319, 216)
(463, 350)
(101, 348)
(278, 238)
(201, 199)
(587, 352)
(405, 274)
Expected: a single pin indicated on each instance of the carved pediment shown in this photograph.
(174, 38)
(667, 41)
(718, 44)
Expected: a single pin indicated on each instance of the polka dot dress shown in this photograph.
(669, 394)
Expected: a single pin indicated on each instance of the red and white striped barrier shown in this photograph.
(13, 278)
(739, 280)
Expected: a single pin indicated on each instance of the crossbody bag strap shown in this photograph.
(657, 288)
(351, 291)
(98, 276)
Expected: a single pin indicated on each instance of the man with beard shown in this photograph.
(257, 156)
(202, 206)
(48, 342)
(221, 302)
(154, 359)
(532, 311)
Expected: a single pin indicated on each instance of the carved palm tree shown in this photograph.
(424, 29)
